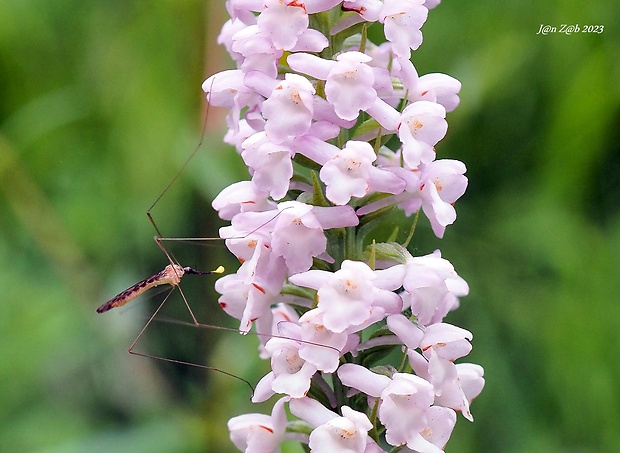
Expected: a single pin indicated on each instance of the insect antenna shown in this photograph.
(181, 170)
(179, 272)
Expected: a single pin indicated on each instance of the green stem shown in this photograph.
(373, 419)
(339, 391)
(351, 248)
(412, 230)
(364, 37)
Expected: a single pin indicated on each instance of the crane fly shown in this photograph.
(171, 275)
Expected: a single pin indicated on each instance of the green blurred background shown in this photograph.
(100, 104)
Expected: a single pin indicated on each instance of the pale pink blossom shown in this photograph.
(298, 236)
(349, 85)
(291, 125)
(235, 7)
(441, 345)
(440, 88)
(242, 9)
(259, 433)
(247, 231)
(317, 6)
(455, 386)
(239, 197)
(405, 407)
(283, 22)
(430, 4)
(436, 87)
(447, 341)
(289, 109)
(432, 286)
(351, 296)
(407, 332)
(290, 374)
(403, 20)
(270, 324)
(257, 50)
(315, 149)
(350, 173)
(440, 424)
(239, 130)
(314, 333)
(350, 82)
(422, 125)
(442, 182)
(434, 188)
(270, 164)
(471, 379)
(310, 41)
(333, 433)
(248, 294)
(228, 89)
(229, 29)
(294, 232)
(298, 232)
(369, 10)
(225, 87)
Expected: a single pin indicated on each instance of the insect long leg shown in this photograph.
(131, 351)
(170, 275)
(182, 169)
(202, 239)
(191, 313)
(258, 334)
(159, 236)
(196, 365)
(179, 362)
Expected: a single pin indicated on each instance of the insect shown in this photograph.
(171, 275)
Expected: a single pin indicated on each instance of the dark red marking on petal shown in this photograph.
(298, 4)
(359, 10)
(262, 290)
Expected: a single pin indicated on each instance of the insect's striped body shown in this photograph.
(171, 275)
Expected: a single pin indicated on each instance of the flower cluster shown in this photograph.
(336, 131)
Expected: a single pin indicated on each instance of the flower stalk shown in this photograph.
(337, 132)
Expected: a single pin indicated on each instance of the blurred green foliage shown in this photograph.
(100, 106)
